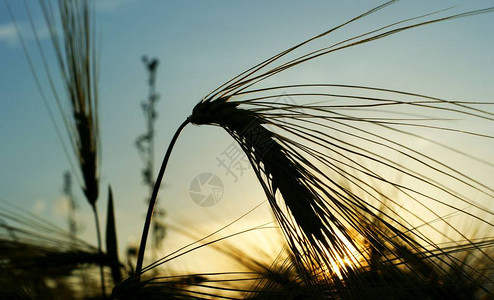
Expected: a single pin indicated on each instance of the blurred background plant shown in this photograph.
(145, 147)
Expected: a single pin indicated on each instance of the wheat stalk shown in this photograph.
(300, 160)
(75, 54)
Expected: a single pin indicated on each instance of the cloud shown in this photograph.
(9, 35)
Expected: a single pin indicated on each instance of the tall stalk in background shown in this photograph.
(78, 66)
(145, 147)
(75, 53)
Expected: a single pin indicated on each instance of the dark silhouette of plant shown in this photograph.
(145, 142)
(300, 151)
(75, 53)
(77, 61)
(145, 147)
(111, 241)
(42, 253)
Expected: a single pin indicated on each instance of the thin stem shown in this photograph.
(98, 234)
(152, 201)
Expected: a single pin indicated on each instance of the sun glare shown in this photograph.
(338, 263)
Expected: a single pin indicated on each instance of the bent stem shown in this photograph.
(100, 250)
(152, 201)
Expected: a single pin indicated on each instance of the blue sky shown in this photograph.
(202, 44)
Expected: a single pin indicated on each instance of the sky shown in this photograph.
(200, 45)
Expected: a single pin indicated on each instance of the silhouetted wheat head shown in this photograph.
(76, 57)
(71, 29)
(317, 156)
(77, 61)
(75, 53)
